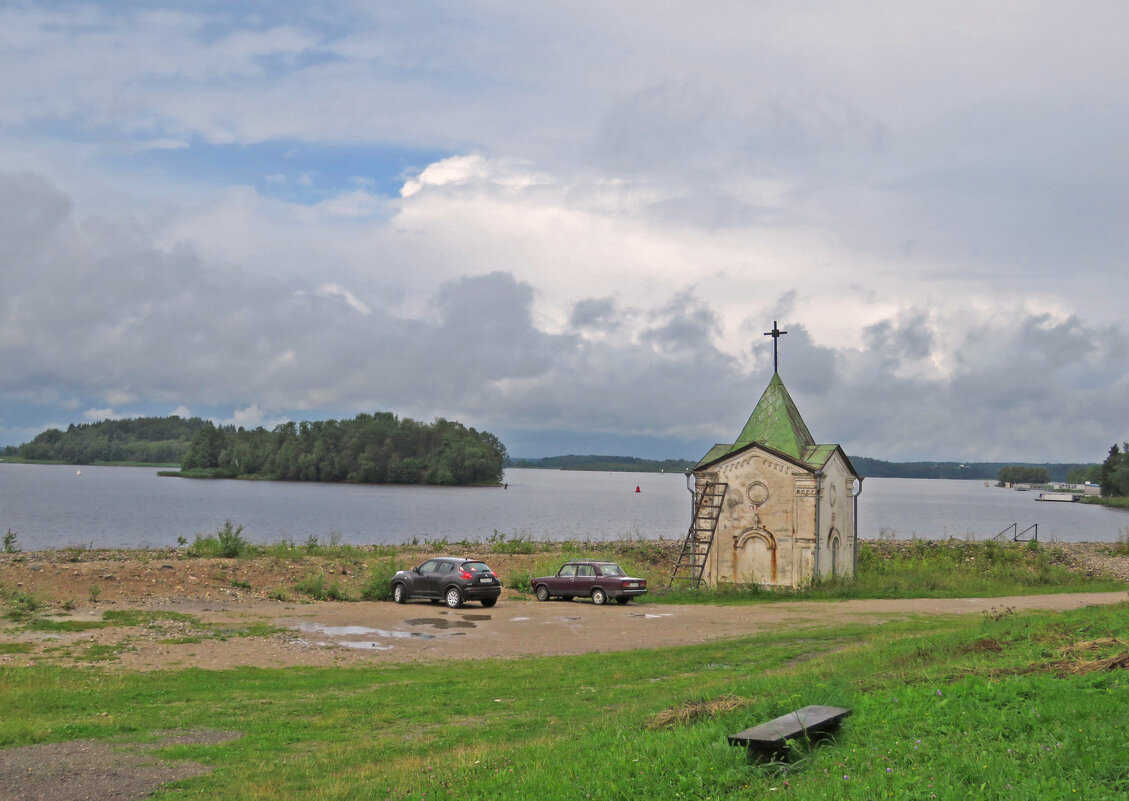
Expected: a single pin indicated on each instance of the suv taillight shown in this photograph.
(464, 575)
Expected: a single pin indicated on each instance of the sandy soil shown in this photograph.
(227, 597)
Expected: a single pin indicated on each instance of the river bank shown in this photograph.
(72, 577)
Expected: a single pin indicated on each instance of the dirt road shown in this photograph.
(331, 633)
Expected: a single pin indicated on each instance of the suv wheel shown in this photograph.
(453, 597)
(489, 602)
(399, 594)
(542, 592)
(599, 597)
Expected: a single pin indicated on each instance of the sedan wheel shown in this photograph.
(399, 594)
(453, 597)
(599, 597)
(622, 600)
(542, 592)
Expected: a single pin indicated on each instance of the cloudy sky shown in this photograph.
(571, 223)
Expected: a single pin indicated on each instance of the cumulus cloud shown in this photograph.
(572, 224)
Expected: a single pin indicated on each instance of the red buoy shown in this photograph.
(638, 490)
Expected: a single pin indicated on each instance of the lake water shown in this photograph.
(54, 506)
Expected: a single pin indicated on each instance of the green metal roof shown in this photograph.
(716, 452)
(776, 422)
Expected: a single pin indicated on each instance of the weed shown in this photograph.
(999, 614)
(94, 591)
(313, 585)
(316, 587)
(518, 543)
(11, 542)
(22, 605)
(227, 543)
(378, 585)
(231, 540)
(240, 584)
(99, 653)
(1121, 547)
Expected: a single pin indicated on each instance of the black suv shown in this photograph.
(449, 579)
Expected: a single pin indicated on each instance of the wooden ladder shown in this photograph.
(696, 546)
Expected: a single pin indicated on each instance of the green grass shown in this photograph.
(1113, 503)
(974, 707)
(923, 569)
(157, 620)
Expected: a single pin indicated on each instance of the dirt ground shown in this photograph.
(229, 614)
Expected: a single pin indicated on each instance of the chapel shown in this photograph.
(773, 508)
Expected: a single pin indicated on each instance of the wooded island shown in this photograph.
(375, 448)
(369, 449)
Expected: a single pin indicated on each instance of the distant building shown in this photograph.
(773, 508)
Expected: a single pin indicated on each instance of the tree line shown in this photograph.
(1021, 474)
(375, 448)
(152, 440)
(607, 464)
(1115, 472)
(876, 468)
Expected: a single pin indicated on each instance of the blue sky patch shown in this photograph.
(297, 172)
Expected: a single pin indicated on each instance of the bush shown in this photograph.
(378, 585)
(21, 605)
(314, 585)
(231, 541)
(227, 543)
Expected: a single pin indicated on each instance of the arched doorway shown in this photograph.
(755, 557)
(833, 542)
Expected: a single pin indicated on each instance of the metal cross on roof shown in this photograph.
(775, 333)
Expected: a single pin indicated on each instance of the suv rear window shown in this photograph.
(475, 567)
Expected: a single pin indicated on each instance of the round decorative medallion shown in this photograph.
(757, 493)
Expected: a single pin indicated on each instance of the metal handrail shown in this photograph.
(1017, 535)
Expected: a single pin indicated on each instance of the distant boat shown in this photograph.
(78, 472)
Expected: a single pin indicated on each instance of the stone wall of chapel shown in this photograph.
(837, 520)
(766, 530)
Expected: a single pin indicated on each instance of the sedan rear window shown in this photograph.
(612, 570)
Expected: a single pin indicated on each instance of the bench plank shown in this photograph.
(769, 738)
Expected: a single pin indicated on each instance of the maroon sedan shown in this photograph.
(596, 580)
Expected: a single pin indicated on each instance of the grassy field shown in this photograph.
(996, 706)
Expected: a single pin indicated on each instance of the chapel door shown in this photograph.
(756, 560)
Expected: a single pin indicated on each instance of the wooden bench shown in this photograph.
(768, 739)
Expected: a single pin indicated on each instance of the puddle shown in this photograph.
(518, 618)
(440, 623)
(649, 616)
(476, 617)
(353, 631)
(360, 644)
